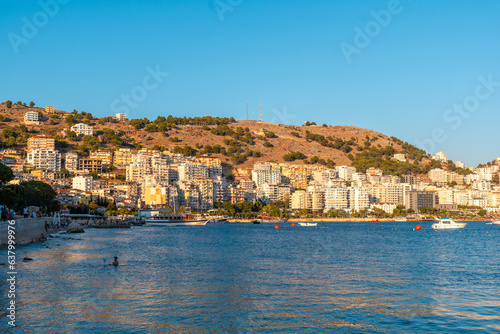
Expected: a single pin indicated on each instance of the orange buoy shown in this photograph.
(418, 227)
(276, 226)
(293, 224)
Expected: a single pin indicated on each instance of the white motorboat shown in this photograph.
(176, 220)
(447, 224)
(495, 222)
(308, 224)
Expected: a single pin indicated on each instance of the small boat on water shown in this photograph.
(400, 220)
(495, 222)
(308, 224)
(256, 221)
(173, 219)
(447, 224)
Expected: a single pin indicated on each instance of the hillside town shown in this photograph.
(146, 178)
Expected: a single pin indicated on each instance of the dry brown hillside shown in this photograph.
(197, 137)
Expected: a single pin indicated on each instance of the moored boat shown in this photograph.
(447, 224)
(175, 220)
(308, 224)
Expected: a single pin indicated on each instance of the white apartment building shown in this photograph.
(400, 157)
(71, 161)
(460, 164)
(121, 116)
(481, 185)
(345, 172)
(315, 199)
(270, 191)
(191, 171)
(440, 156)
(136, 171)
(31, 117)
(336, 198)
(83, 129)
(446, 196)
(438, 176)
(84, 183)
(358, 198)
(299, 201)
(45, 160)
(260, 177)
(386, 207)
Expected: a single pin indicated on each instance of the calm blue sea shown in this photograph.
(242, 278)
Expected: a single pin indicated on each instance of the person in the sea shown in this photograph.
(115, 262)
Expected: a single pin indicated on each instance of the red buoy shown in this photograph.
(293, 224)
(276, 226)
(418, 227)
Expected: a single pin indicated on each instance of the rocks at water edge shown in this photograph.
(74, 228)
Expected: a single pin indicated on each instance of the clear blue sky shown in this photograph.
(287, 55)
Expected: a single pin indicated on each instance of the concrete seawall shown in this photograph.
(27, 230)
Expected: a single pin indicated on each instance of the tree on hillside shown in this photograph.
(6, 174)
(8, 104)
(32, 104)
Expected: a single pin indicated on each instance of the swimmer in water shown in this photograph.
(115, 262)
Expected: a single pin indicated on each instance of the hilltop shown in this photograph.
(238, 143)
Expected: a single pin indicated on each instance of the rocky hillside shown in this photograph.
(237, 143)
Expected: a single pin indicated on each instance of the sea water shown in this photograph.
(352, 277)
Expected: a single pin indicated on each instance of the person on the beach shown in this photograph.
(115, 262)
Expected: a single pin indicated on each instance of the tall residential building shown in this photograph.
(136, 171)
(420, 199)
(49, 109)
(345, 172)
(43, 159)
(438, 176)
(358, 198)
(84, 183)
(161, 196)
(106, 157)
(315, 199)
(71, 161)
(83, 129)
(336, 198)
(191, 171)
(299, 200)
(260, 177)
(206, 188)
(41, 143)
(122, 158)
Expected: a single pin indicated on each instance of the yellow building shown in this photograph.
(105, 156)
(155, 196)
(49, 109)
(210, 161)
(122, 158)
